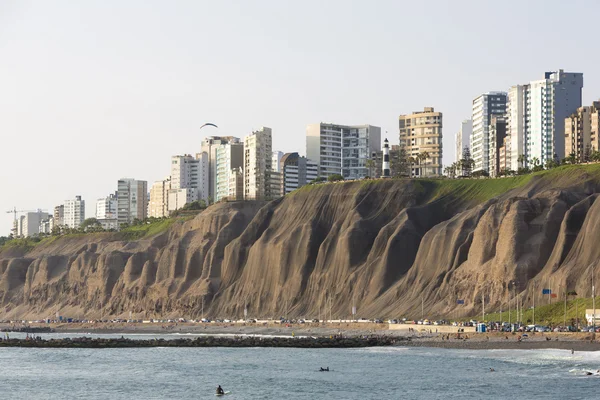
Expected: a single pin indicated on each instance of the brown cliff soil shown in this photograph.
(386, 246)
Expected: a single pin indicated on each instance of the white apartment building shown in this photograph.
(106, 212)
(276, 167)
(484, 107)
(158, 206)
(29, 223)
(177, 198)
(342, 149)
(548, 102)
(463, 137)
(74, 212)
(132, 200)
(47, 225)
(190, 173)
(258, 162)
(296, 172)
(229, 158)
(106, 207)
(210, 145)
(535, 116)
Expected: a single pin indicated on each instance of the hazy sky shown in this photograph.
(94, 91)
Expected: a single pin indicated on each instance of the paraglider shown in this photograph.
(208, 124)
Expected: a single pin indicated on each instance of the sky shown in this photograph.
(94, 91)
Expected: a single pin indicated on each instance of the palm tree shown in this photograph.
(423, 156)
(412, 161)
(448, 171)
(521, 160)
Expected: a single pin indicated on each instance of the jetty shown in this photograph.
(206, 341)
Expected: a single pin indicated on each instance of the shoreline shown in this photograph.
(446, 337)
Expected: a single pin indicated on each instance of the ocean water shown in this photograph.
(271, 373)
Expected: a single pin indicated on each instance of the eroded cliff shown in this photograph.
(387, 247)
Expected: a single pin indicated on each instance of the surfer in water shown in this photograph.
(492, 370)
(220, 390)
(324, 369)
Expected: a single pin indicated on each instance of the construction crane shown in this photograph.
(14, 211)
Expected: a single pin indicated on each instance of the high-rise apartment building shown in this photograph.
(74, 213)
(29, 223)
(581, 131)
(209, 146)
(296, 172)
(46, 225)
(463, 138)
(258, 163)
(497, 131)
(515, 126)
(106, 212)
(158, 205)
(132, 200)
(342, 149)
(421, 132)
(548, 102)
(536, 114)
(484, 107)
(106, 207)
(228, 157)
(236, 185)
(190, 173)
(277, 155)
(59, 214)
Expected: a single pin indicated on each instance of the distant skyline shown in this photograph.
(100, 90)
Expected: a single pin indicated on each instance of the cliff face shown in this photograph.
(386, 246)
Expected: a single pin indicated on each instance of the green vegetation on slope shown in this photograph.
(29, 243)
(478, 190)
(481, 190)
(548, 314)
(151, 229)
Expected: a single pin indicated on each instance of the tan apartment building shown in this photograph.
(236, 185)
(158, 205)
(421, 132)
(258, 161)
(581, 131)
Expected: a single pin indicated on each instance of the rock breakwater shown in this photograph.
(206, 341)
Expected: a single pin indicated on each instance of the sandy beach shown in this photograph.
(420, 336)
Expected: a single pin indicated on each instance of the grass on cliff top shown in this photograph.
(151, 229)
(548, 314)
(129, 233)
(481, 190)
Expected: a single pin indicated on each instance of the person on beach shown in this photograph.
(220, 390)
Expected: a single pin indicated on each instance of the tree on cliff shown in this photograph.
(399, 164)
(466, 163)
(335, 178)
(3, 240)
(90, 224)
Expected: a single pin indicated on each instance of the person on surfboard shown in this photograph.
(220, 390)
